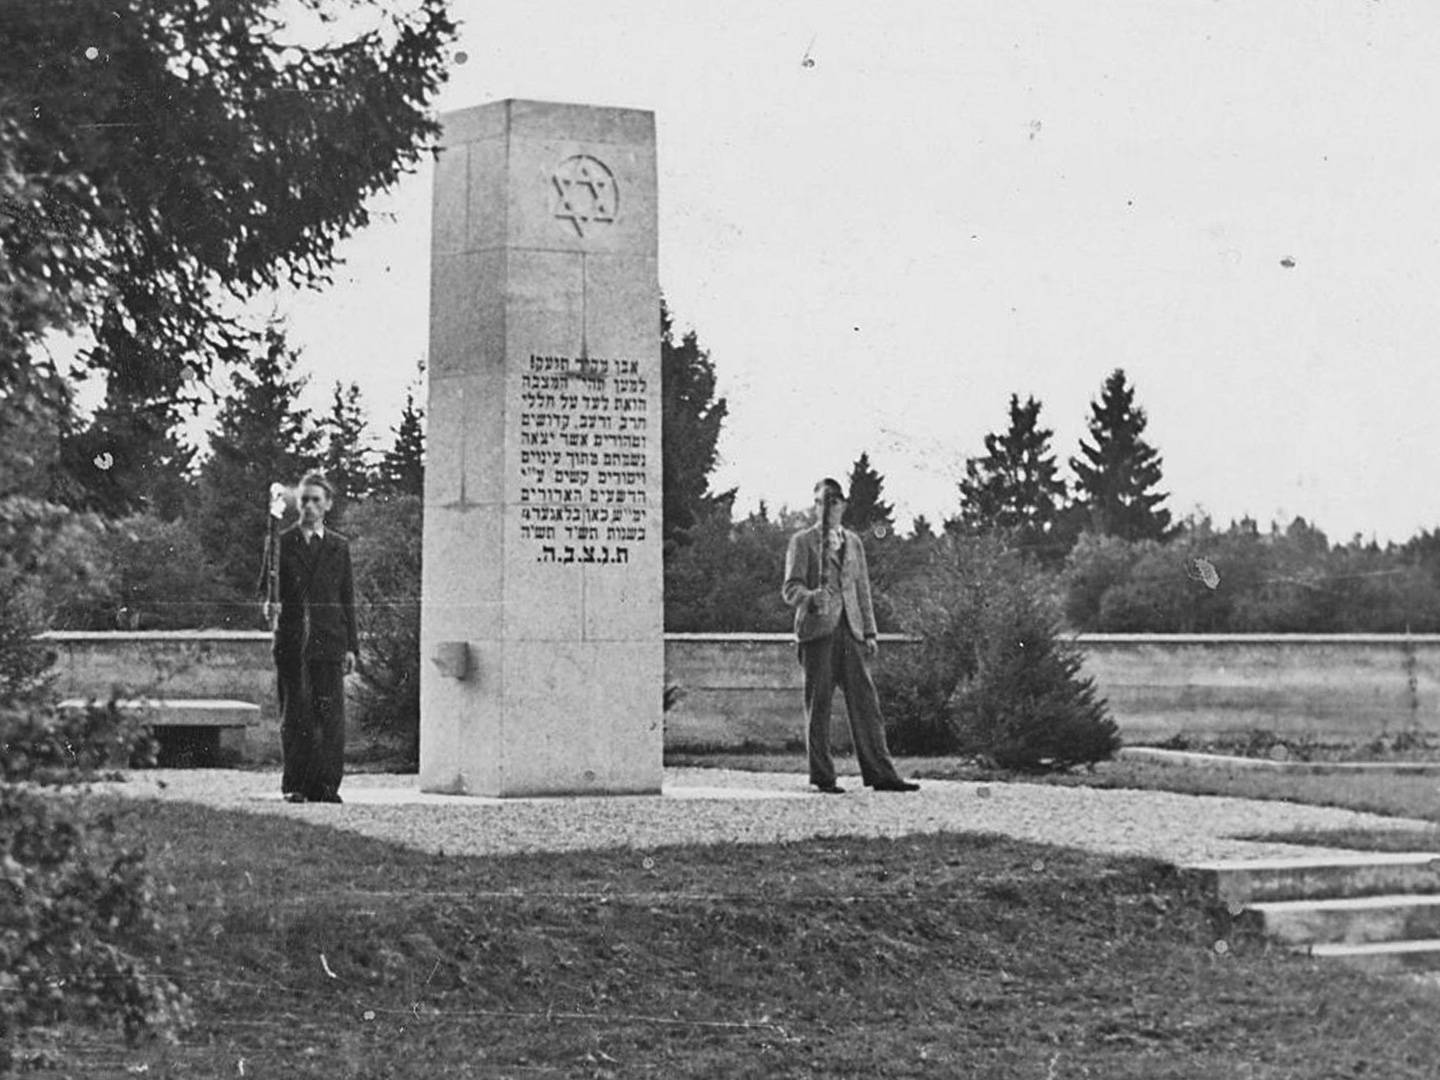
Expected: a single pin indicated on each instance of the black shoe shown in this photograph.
(830, 789)
(897, 785)
(294, 796)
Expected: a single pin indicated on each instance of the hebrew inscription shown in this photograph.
(585, 452)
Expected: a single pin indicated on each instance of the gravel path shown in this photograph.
(708, 806)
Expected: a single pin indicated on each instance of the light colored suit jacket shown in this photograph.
(817, 615)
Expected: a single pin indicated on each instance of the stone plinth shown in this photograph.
(542, 656)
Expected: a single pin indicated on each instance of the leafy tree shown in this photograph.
(1118, 470)
(402, 469)
(345, 460)
(261, 436)
(864, 509)
(692, 417)
(154, 165)
(1015, 488)
(157, 163)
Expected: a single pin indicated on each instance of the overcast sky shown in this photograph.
(882, 219)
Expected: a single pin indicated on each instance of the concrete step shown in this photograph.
(1382, 956)
(1319, 877)
(1351, 921)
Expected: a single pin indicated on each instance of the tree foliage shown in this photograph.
(163, 578)
(1015, 488)
(727, 579)
(129, 458)
(1117, 470)
(261, 436)
(692, 417)
(865, 510)
(1245, 580)
(991, 676)
(385, 547)
(157, 159)
(346, 458)
(160, 163)
(402, 469)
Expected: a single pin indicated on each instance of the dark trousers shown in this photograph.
(840, 659)
(312, 726)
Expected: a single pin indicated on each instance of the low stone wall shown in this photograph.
(1342, 687)
(745, 689)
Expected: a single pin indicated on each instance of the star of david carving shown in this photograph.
(586, 194)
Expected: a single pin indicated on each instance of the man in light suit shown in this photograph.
(316, 643)
(835, 626)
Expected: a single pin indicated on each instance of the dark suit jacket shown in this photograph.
(816, 615)
(315, 581)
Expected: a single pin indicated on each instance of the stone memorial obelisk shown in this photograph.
(542, 656)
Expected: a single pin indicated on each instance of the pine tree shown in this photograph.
(864, 509)
(346, 456)
(1015, 488)
(262, 436)
(1118, 470)
(402, 470)
(692, 417)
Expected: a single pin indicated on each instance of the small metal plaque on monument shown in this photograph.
(542, 653)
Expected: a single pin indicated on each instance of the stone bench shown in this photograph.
(187, 729)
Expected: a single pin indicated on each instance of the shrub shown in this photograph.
(165, 580)
(76, 908)
(991, 676)
(77, 919)
(1028, 706)
(52, 563)
(43, 745)
(385, 548)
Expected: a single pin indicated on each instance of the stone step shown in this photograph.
(1318, 877)
(1382, 956)
(1351, 921)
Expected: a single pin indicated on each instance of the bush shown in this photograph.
(76, 908)
(165, 580)
(52, 564)
(1028, 706)
(992, 676)
(77, 918)
(46, 746)
(385, 544)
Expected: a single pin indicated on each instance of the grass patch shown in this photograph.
(938, 955)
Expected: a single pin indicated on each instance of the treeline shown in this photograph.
(1102, 540)
(179, 540)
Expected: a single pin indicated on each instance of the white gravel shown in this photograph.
(709, 806)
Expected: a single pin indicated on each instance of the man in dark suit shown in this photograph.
(828, 584)
(316, 644)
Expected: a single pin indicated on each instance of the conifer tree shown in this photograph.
(346, 459)
(402, 470)
(1015, 488)
(691, 417)
(262, 436)
(1118, 471)
(864, 509)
